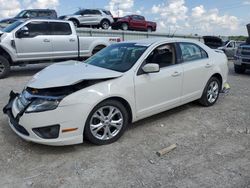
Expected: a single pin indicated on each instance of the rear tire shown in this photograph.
(124, 26)
(239, 69)
(105, 24)
(98, 129)
(211, 92)
(150, 29)
(4, 67)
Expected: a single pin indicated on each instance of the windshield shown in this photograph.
(118, 57)
(79, 12)
(21, 14)
(11, 27)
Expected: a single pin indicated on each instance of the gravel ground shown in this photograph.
(213, 148)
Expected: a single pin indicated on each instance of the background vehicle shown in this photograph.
(91, 17)
(70, 101)
(134, 22)
(242, 57)
(230, 48)
(35, 41)
(31, 13)
(213, 42)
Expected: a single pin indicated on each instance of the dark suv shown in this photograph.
(31, 13)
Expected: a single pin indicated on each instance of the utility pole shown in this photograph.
(118, 9)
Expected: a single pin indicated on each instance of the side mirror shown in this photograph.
(151, 68)
(23, 32)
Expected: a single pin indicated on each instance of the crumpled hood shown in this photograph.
(69, 73)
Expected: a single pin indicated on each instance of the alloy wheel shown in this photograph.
(105, 25)
(212, 92)
(106, 122)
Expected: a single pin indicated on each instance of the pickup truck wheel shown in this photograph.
(4, 67)
(211, 92)
(239, 69)
(124, 26)
(106, 123)
(105, 24)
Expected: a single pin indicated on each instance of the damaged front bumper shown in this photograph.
(28, 125)
(14, 121)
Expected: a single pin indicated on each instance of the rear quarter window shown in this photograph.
(192, 52)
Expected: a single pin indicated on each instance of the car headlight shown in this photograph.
(40, 105)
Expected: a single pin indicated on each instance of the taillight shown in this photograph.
(115, 39)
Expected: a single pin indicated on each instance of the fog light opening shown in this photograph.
(49, 132)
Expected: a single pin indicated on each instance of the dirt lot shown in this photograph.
(213, 148)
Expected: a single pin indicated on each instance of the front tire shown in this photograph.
(106, 123)
(4, 67)
(211, 92)
(239, 69)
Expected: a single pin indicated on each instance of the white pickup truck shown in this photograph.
(36, 41)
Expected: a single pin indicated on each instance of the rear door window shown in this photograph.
(59, 28)
(96, 12)
(44, 14)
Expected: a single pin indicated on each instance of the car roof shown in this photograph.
(45, 20)
(39, 10)
(151, 41)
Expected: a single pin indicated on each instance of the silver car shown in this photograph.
(91, 17)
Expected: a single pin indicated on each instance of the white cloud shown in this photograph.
(198, 11)
(41, 3)
(171, 11)
(120, 7)
(174, 15)
(211, 20)
(246, 2)
(10, 8)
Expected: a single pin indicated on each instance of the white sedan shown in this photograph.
(71, 101)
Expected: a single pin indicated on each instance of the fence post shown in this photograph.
(123, 36)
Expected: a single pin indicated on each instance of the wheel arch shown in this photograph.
(219, 77)
(105, 19)
(74, 19)
(125, 103)
(4, 53)
(97, 48)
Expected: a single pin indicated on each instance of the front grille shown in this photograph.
(246, 60)
(245, 51)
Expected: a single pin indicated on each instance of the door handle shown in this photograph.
(46, 40)
(208, 65)
(176, 73)
(72, 40)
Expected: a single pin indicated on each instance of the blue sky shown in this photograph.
(213, 17)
